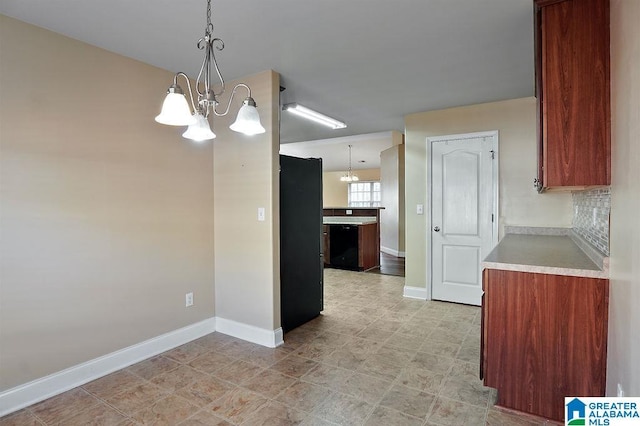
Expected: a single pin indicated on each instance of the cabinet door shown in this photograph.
(572, 62)
(544, 338)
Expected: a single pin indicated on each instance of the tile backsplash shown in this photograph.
(591, 216)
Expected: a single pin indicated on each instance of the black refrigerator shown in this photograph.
(301, 263)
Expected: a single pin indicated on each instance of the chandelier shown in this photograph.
(175, 108)
(349, 176)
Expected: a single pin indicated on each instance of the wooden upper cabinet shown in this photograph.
(572, 88)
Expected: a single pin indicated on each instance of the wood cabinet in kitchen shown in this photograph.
(573, 94)
(352, 243)
(351, 246)
(544, 337)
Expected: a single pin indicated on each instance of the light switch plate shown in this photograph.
(261, 214)
(419, 209)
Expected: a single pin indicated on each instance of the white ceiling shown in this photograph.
(365, 62)
(365, 151)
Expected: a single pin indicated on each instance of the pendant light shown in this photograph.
(175, 108)
(349, 176)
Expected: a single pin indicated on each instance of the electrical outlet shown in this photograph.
(349, 211)
(620, 391)
(188, 300)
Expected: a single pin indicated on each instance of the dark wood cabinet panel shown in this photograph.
(368, 254)
(572, 88)
(543, 338)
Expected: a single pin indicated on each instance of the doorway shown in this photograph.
(463, 223)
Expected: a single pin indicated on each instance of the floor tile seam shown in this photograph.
(43, 421)
(372, 403)
(129, 416)
(485, 406)
(463, 403)
(395, 410)
(27, 410)
(133, 415)
(424, 418)
(196, 413)
(209, 407)
(38, 419)
(108, 404)
(128, 370)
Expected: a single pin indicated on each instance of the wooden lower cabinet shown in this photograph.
(361, 253)
(368, 252)
(544, 337)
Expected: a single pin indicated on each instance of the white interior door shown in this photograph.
(463, 231)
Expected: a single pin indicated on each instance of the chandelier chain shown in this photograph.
(209, 24)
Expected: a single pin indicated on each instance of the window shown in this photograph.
(364, 194)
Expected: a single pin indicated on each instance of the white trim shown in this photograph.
(40, 389)
(250, 333)
(392, 252)
(417, 293)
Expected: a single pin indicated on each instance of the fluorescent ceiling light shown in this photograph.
(312, 115)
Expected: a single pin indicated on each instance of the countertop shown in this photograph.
(546, 254)
(348, 220)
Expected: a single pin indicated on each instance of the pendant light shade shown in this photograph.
(199, 131)
(248, 120)
(175, 109)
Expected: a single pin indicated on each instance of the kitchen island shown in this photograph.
(544, 322)
(351, 237)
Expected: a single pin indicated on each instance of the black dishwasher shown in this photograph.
(344, 246)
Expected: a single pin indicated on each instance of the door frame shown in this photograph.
(495, 193)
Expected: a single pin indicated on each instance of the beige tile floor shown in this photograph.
(372, 358)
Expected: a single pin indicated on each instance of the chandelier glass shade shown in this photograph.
(200, 130)
(175, 108)
(349, 176)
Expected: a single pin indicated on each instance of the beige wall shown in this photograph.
(106, 216)
(392, 187)
(519, 203)
(624, 315)
(246, 173)
(335, 192)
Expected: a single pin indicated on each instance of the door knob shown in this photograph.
(436, 228)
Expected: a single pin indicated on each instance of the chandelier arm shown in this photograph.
(203, 67)
(235, 89)
(219, 46)
(175, 82)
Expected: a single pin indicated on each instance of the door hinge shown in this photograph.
(491, 217)
(493, 154)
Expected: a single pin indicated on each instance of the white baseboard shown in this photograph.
(392, 252)
(250, 333)
(416, 293)
(40, 389)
